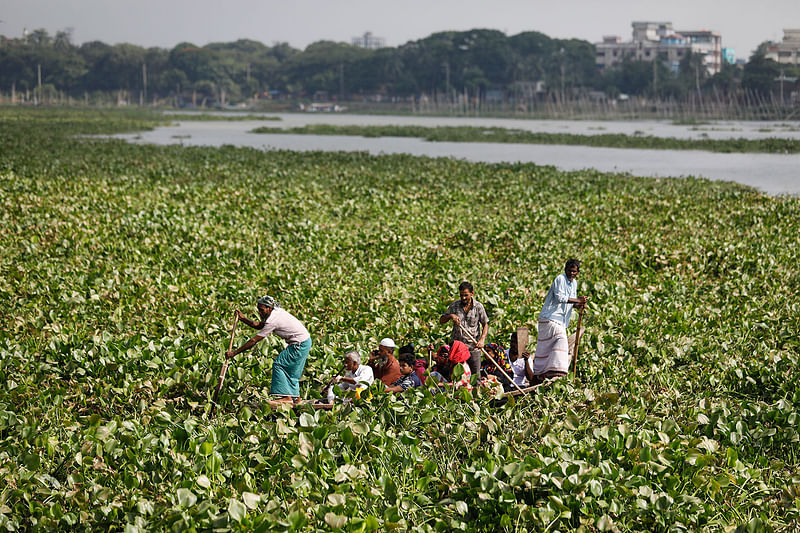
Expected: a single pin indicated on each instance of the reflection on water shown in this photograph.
(771, 173)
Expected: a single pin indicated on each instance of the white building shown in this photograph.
(657, 40)
(786, 52)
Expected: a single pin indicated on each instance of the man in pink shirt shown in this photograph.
(287, 369)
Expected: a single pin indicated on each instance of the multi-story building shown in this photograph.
(786, 52)
(707, 44)
(657, 40)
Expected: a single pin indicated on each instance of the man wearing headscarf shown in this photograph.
(287, 369)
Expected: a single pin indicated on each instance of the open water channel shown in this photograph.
(772, 173)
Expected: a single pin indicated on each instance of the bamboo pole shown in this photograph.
(224, 366)
(471, 338)
(577, 343)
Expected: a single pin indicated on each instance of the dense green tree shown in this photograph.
(630, 77)
(727, 80)
(443, 63)
(760, 74)
(324, 66)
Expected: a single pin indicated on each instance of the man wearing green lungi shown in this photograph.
(288, 366)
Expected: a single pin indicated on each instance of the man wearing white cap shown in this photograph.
(383, 363)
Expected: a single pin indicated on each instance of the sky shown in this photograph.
(743, 24)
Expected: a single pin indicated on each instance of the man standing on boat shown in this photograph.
(288, 366)
(552, 358)
(468, 314)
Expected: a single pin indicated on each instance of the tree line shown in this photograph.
(447, 64)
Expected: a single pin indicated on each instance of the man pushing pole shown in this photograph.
(287, 368)
(552, 356)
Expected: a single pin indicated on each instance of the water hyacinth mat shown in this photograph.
(121, 266)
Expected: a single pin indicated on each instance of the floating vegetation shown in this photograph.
(121, 265)
(506, 135)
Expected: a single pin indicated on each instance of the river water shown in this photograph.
(771, 173)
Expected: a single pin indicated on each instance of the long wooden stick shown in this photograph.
(500, 368)
(577, 342)
(430, 357)
(224, 366)
(530, 388)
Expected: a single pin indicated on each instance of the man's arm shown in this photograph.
(450, 315)
(579, 302)
(562, 293)
(482, 340)
(244, 347)
(400, 388)
(253, 324)
(528, 366)
(560, 289)
(447, 317)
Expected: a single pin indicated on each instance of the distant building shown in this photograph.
(786, 52)
(709, 45)
(369, 41)
(729, 56)
(657, 40)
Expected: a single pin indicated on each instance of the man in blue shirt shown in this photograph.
(552, 345)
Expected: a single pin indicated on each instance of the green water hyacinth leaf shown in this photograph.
(251, 500)
(604, 523)
(186, 498)
(461, 508)
(236, 510)
(335, 521)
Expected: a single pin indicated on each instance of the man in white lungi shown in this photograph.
(552, 357)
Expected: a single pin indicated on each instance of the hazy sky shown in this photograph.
(165, 23)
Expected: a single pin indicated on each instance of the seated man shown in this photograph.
(408, 377)
(383, 363)
(357, 378)
(518, 361)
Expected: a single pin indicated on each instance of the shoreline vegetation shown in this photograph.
(121, 265)
(772, 145)
(232, 116)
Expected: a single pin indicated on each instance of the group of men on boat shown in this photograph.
(454, 363)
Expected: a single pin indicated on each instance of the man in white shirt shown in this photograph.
(287, 369)
(357, 378)
(552, 358)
